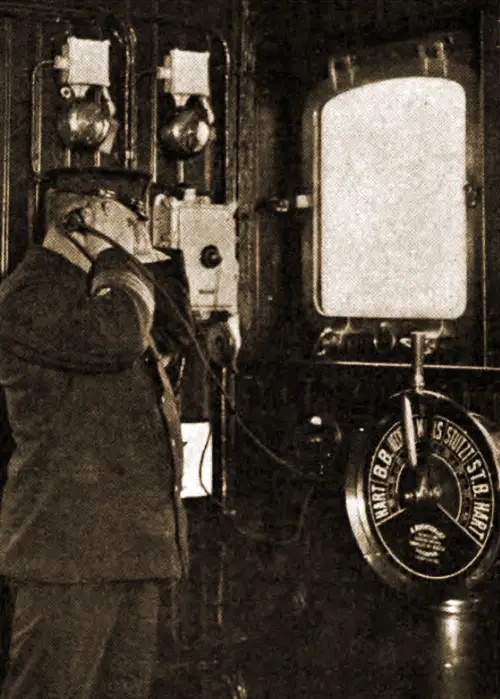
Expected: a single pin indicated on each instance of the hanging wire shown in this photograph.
(247, 532)
(285, 463)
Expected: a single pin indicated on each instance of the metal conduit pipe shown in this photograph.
(126, 42)
(131, 107)
(33, 200)
(228, 190)
(7, 101)
(153, 153)
(36, 117)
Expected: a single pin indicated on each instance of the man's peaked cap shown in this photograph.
(129, 187)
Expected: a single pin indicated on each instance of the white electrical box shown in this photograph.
(206, 233)
(185, 73)
(84, 62)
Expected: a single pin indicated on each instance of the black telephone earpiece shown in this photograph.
(75, 221)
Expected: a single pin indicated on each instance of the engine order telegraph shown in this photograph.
(422, 491)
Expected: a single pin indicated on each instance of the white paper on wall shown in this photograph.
(197, 476)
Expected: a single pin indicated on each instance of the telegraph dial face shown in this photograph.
(445, 529)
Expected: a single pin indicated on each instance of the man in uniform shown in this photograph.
(91, 518)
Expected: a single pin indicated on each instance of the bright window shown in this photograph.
(392, 215)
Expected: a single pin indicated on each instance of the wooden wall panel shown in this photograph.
(29, 32)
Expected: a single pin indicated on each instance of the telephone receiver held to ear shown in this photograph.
(75, 221)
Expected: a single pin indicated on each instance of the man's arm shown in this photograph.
(173, 324)
(102, 331)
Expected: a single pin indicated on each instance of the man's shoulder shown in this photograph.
(38, 286)
(38, 267)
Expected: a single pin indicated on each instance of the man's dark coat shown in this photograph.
(92, 491)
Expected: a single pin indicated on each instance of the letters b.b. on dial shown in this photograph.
(434, 525)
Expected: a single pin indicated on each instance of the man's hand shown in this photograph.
(143, 249)
(106, 216)
(111, 218)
